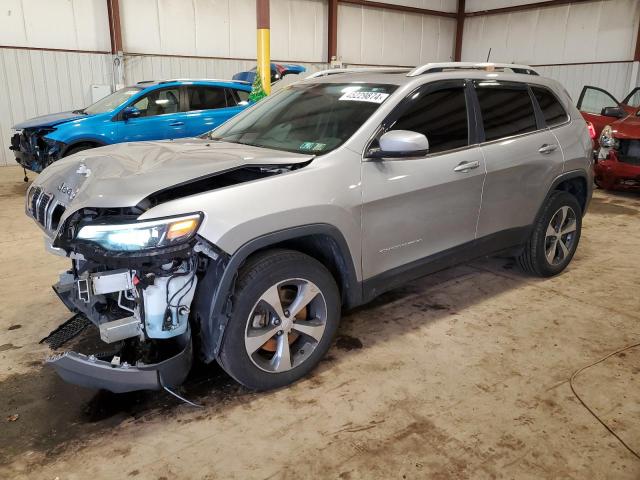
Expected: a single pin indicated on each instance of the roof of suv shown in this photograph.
(433, 72)
(400, 78)
(197, 81)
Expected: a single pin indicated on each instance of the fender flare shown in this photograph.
(563, 177)
(214, 310)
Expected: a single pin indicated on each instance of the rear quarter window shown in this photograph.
(552, 110)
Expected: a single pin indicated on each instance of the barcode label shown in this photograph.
(373, 97)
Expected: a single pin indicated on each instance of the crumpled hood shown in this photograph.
(124, 174)
(49, 120)
(627, 128)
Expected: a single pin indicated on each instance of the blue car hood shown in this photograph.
(48, 120)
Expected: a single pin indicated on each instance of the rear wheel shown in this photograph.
(286, 312)
(555, 236)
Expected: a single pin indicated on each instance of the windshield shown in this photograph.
(112, 101)
(312, 118)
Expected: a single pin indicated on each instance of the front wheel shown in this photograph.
(555, 236)
(285, 313)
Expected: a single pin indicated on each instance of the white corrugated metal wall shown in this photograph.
(598, 31)
(375, 36)
(216, 38)
(224, 28)
(614, 77)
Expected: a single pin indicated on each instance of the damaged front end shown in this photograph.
(34, 150)
(136, 282)
(157, 291)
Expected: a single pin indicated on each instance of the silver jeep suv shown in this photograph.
(244, 245)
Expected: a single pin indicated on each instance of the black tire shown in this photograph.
(260, 273)
(78, 148)
(533, 259)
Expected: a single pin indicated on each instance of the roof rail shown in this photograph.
(226, 80)
(489, 66)
(333, 71)
(145, 81)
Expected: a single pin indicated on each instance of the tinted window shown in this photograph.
(552, 110)
(441, 116)
(159, 102)
(206, 98)
(505, 111)
(237, 97)
(243, 95)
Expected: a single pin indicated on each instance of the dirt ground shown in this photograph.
(463, 374)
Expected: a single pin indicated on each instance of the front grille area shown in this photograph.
(45, 209)
(629, 151)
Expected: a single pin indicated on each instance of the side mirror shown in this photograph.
(401, 144)
(615, 112)
(130, 112)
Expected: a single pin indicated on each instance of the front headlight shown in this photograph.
(606, 138)
(30, 194)
(143, 235)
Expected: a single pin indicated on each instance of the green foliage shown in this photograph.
(257, 90)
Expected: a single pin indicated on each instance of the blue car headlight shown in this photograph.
(142, 235)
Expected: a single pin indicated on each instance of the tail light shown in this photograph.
(592, 130)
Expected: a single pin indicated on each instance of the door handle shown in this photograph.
(547, 148)
(176, 124)
(466, 166)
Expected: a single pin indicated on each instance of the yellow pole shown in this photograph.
(264, 54)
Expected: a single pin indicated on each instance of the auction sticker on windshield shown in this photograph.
(357, 96)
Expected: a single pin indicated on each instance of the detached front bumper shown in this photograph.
(90, 372)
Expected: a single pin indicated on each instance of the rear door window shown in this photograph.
(506, 110)
(552, 110)
(440, 115)
(206, 98)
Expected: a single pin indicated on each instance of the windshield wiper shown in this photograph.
(80, 112)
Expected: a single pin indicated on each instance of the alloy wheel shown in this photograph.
(560, 235)
(285, 325)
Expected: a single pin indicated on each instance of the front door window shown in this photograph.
(159, 102)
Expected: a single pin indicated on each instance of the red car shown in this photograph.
(616, 134)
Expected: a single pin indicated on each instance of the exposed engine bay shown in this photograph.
(33, 150)
(142, 315)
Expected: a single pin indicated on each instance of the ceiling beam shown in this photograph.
(459, 30)
(524, 7)
(115, 32)
(400, 8)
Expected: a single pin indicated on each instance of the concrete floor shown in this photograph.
(460, 375)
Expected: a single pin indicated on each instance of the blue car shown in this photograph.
(146, 111)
